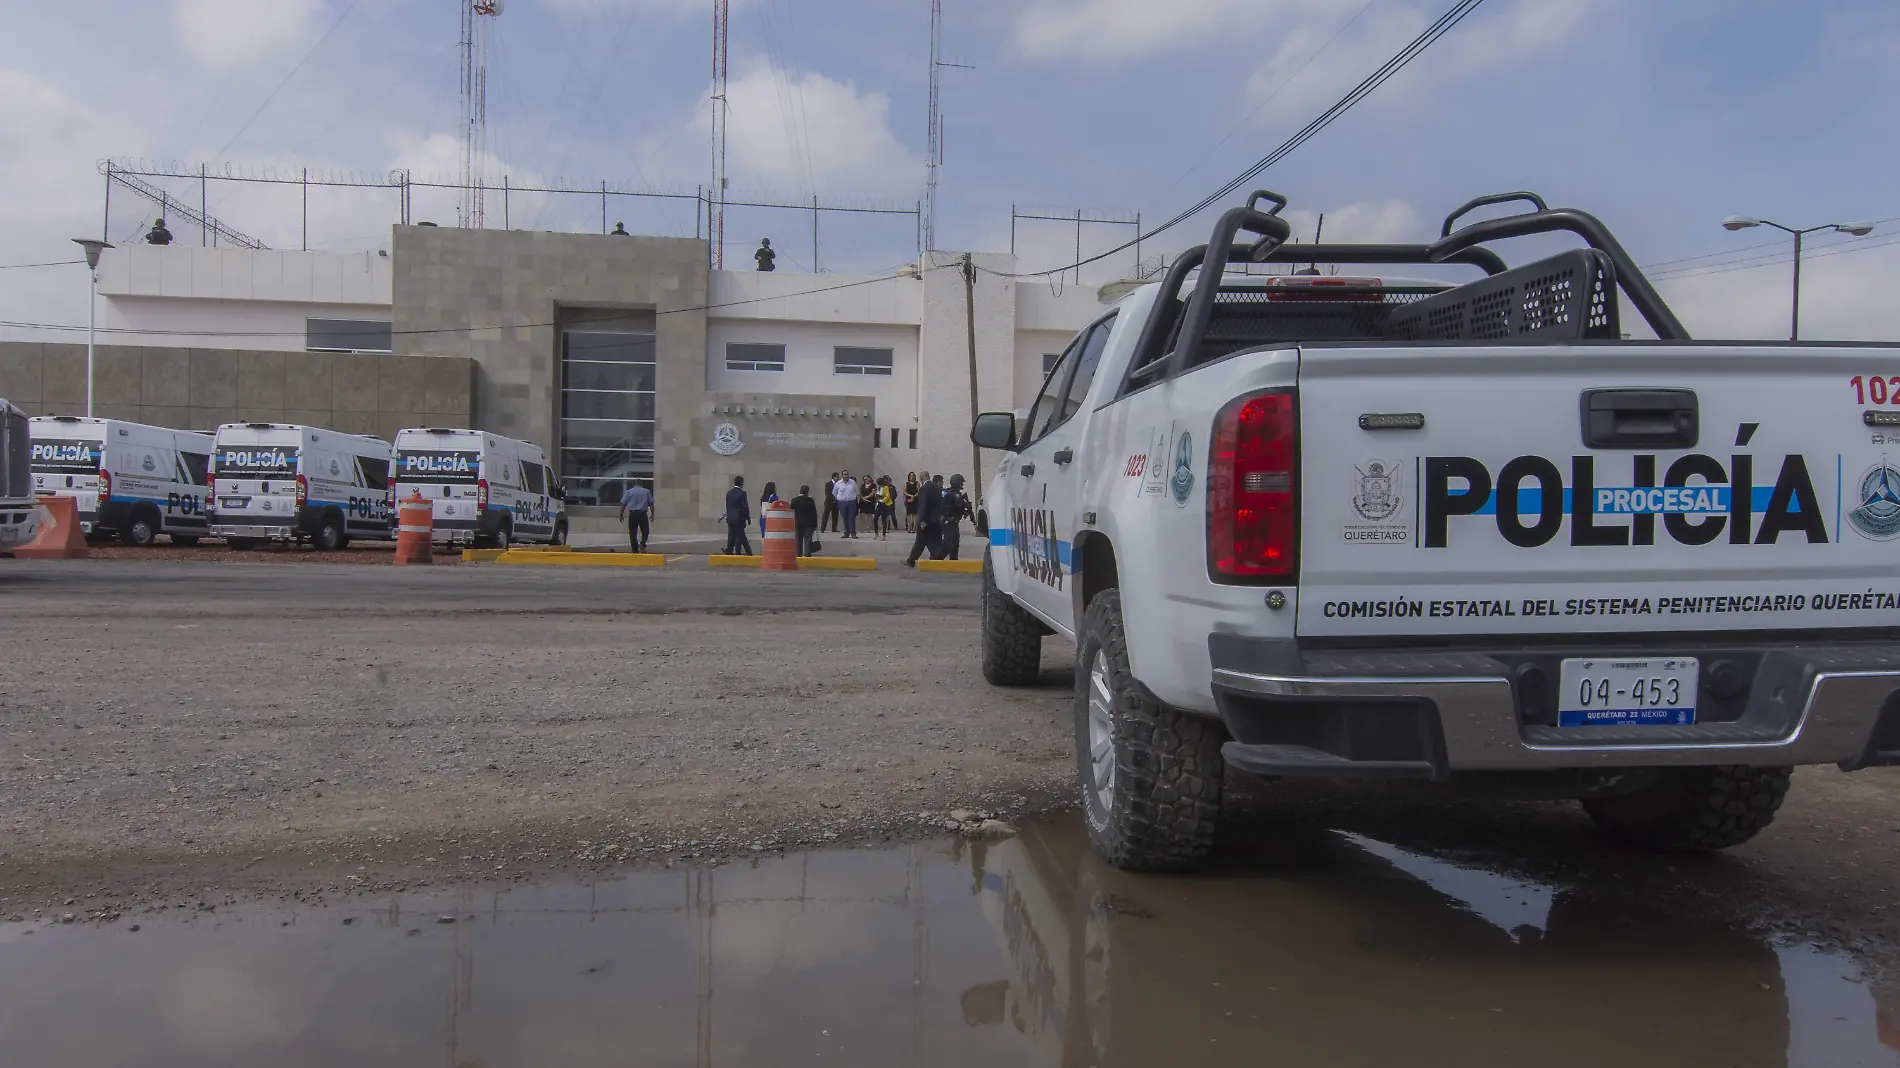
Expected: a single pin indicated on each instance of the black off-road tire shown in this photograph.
(1012, 638)
(141, 529)
(1168, 772)
(1694, 810)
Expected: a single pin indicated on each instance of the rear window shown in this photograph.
(256, 461)
(438, 465)
(196, 465)
(1253, 317)
(65, 456)
(375, 471)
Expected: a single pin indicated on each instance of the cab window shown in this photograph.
(1085, 365)
(1042, 414)
(375, 472)
(531, 479)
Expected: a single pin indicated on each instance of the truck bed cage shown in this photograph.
(1564, 298)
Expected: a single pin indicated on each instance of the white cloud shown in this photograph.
(1844, 297)
(801, 132)
(49, 148)
(232, 34)
(1365, 221)
(1119, 28)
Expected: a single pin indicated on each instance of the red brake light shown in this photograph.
(105, 486)
(303, 491)
(1253, 522)
(481, 493)
(1324, 287)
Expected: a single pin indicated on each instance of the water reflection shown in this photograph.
(1342, 950)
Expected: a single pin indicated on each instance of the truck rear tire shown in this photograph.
(1151, 776)
(1694, 810)
(1012, 638)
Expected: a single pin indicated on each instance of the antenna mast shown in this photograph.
(716, 205)
(476, 17)
(934, 139)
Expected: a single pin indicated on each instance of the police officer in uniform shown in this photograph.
(956, 508)
(929, 520)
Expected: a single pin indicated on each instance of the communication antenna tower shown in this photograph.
(477, 16)
(716, 203)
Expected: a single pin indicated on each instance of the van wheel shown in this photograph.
(502, 536)
(560, 534)
(241, 544)
(1694, 810)
(329, 535)
(186, 540)
(1151, 776)
(1012, 638)
(141, 531)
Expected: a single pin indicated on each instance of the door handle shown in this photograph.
(1063, 456)
(1639, 418)
(1027, 469)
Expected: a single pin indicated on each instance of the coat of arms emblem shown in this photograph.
(1376, 494)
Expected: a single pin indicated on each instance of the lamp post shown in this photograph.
(93, 247)
(1744, 222)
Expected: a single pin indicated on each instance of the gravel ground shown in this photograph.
(218, 727)
(242, 725)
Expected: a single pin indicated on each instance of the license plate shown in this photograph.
(1609, 693)
(233, 502)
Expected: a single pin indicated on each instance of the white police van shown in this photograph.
(284, 482)
(20, 513)
(130, 479)
(486, 489)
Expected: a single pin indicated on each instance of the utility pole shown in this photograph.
(969, 319)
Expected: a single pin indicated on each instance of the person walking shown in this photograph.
(956, 508)
(847, 494)
(804, 519)
(738, 516)
(636, 508)
(765, 501)
(929, 512)
(867, 502)
(830, 519)
(910, 503)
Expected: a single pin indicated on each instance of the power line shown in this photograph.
(1399, 61)
(471, 329)
(49, 263)
(1838, 249)
(280, 85)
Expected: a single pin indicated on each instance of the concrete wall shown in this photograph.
(809, 366)
(828, 298)
(788, 439)
(943, 356)
(197, 389)
(244, 274)
(249, 324)
(494, 297)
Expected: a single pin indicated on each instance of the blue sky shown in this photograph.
(1661, 116)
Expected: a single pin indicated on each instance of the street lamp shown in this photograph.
(1744, 222)
(93, 247)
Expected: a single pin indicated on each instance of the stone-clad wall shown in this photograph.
(197, 389)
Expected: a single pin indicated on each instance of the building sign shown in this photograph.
(725, 440)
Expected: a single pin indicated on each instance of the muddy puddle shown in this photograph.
(1024, 951)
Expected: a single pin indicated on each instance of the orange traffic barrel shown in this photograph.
(781, 541)
(415, 525)
(60, 537)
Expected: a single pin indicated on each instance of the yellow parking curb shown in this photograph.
(582, 559)
(962, 567)
(805, 563)
(540, 549)
(477, 556)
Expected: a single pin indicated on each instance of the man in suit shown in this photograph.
(829, 521)
(804, 519)
(738, 517)
(929, 514)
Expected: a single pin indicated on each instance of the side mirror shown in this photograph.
(558, 493)
(994, 430)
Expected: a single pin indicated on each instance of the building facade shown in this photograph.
(627, 358)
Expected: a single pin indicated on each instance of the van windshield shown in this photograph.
(438, 465)
(66, 457)
(256, 461)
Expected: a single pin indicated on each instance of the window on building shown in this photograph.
(754, 356)
(850, 360)
(893, 437)
(607, 414)
(913, 439)
(346, 335)
(1049, 362)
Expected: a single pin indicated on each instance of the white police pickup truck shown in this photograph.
(1325, 525)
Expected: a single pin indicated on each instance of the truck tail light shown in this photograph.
(1253, 520)
(303, 490)
(481, 493)
(105, 486)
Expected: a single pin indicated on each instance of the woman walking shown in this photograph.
(910, 503)
(867, 502)
(766, 498)
(886, 508)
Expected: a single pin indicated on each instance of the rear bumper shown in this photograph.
(19, 523)
(1428, 714)
(241, 530)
